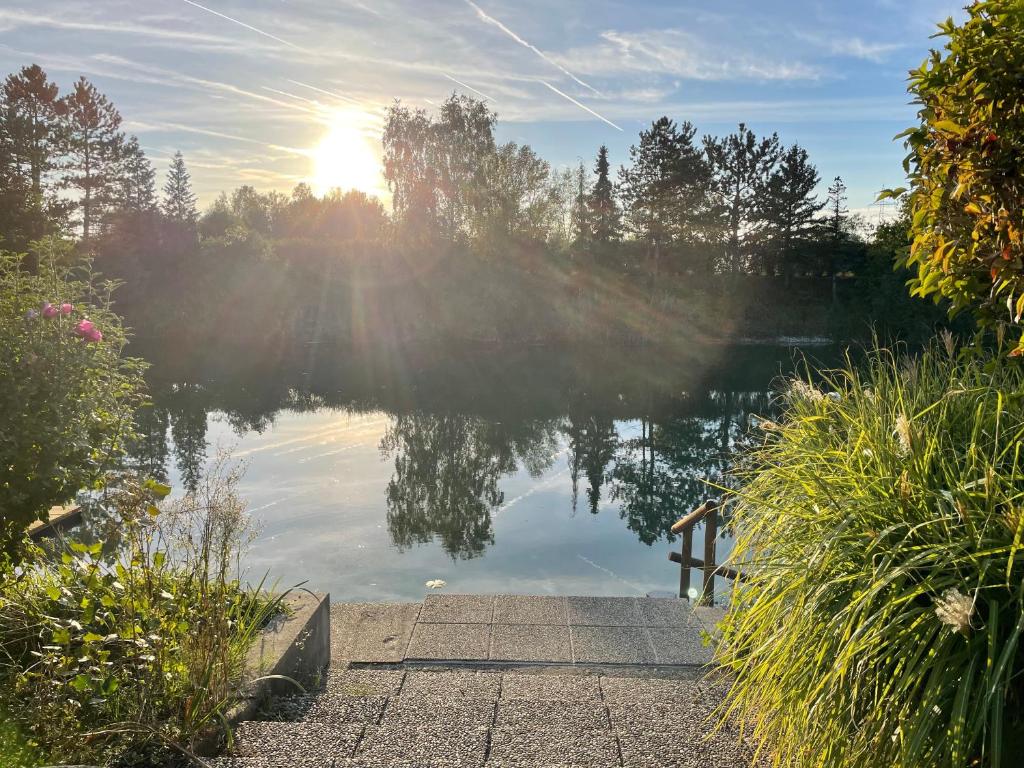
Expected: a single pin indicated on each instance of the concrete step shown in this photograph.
(276, 740)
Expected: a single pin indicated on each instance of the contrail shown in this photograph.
(242, 24)
(326, 93)
(292, 96)
(469, 87)
(493, 21)
(581, 106)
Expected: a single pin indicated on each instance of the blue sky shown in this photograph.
(283, 91)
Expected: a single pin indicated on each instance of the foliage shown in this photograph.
(66, 400)
(126, 657)
(879, 528)
(966, 163)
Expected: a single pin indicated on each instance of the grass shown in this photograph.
(881, 526)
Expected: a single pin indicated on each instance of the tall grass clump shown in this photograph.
(880, 525)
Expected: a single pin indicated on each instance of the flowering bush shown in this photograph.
(67, 392)
(881, 532)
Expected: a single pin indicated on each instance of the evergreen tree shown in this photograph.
(580, 220)
(664, 189)
(30, 132)
(603, 210)
(92, 151)
(179, 200)
(788, 209)
(837, 210)
(136, 180)
(742, 166)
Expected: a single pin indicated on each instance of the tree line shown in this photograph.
(485, 241)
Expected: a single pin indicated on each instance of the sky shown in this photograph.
(271, 93)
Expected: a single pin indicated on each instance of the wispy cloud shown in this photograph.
(584, 107)
(494, 22)
(859, 49)
(241, 24)
(325, 92)
(677, 53)
(469, 88)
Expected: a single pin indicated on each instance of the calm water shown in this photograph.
(528, 472)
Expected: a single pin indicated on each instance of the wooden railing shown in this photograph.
(708, 511)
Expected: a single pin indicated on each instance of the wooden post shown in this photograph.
(710, 539)
(684, 564)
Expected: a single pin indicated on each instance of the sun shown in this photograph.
(347, 157)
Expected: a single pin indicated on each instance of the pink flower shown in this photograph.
(83, 328)
(49, 310)
(93, 335)
(65, 309)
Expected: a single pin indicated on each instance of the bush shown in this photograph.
(966, 167)
(67, 393)
(126, 657)
(880, 527)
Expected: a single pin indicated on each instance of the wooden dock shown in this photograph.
(59, 520)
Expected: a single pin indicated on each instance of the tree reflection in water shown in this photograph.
(447, 469)
(644, 441)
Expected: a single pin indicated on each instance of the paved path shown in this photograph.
(505, 682)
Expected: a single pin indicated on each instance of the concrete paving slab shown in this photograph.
(528, 714)
(518, 642)
(550, 687)
(457, 609)
(611, 645)
(573, 748)
(371, 632)
(433, 711)
(339, 710)
(462, 642)
(680, 645)
(453, 684)
(403, 748)
(293, 761)
(525, 609)
(603, 611)
(365, 682)
(623, 690)
(666, 612)
(275, 740)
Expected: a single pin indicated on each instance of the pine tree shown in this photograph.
(664, 189)
(179, 200)
(602, 207)
(837, 210)
(580, 220)
(136, 180)
(92, 144)
(30, 132)
(742, 166)
(788, 209)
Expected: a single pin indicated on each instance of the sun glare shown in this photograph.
(347, 157)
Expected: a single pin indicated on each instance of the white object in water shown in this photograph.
(435, 583)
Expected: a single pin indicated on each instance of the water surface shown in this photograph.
(529, 472)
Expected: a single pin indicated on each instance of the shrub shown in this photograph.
(966, 166)
(67, 393)
(126, 657)
(880, 527)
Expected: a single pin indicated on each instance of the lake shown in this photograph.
(527, 471)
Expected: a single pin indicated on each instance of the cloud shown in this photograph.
(13, 19)
(858, 49)
(676, 53)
